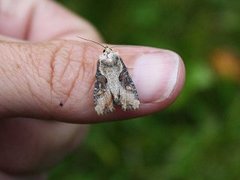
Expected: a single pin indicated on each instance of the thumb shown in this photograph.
(55, 80)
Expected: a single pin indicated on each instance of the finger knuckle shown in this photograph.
(67, 71)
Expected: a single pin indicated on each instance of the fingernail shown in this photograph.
(155, 75)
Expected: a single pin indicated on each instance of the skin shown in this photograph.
(46, 83)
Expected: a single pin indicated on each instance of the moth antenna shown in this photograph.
(92, 41)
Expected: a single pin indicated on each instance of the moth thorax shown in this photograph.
(109, 61)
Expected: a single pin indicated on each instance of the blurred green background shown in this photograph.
(198, 137)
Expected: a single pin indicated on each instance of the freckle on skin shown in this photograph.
(61, 104)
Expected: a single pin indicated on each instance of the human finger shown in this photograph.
(37, 79)
(35, 20)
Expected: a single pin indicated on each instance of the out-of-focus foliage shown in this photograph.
(198, 137)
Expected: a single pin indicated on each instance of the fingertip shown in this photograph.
(180, 81)
(159, 77)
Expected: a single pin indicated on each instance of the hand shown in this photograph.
(43, 64)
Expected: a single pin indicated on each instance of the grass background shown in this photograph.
(198, 137)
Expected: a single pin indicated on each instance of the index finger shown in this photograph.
(35, 20)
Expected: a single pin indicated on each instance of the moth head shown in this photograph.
(107, 50)
(109, 57)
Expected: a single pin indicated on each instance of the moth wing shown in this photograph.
(128, 93)
(98, 85)
(101, 94)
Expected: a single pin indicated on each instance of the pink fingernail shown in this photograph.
(155, 75)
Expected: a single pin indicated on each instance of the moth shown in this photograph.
(113, 84)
